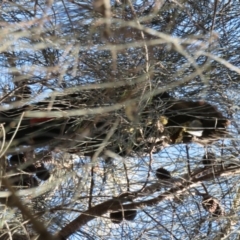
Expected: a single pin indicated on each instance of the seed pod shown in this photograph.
(42, 172)
(117, 217)
(31, 181)
(163, 174)
(208, 159)
(17, 159)
(130, 215)
(212, 205)
(23, 181)
(30, 168)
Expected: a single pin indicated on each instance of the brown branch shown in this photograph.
(91, 188)
(179, 186)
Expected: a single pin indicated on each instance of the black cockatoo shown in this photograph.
(184, 121)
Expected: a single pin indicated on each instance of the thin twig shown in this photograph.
(14, 134)
(188, 160)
